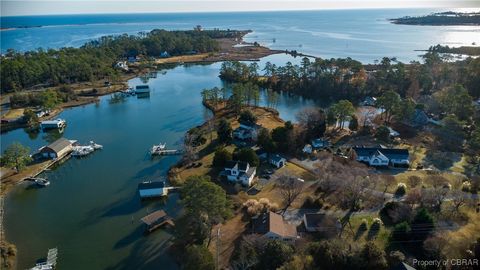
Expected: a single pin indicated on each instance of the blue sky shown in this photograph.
(40, 7)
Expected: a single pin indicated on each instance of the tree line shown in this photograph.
(95, 59)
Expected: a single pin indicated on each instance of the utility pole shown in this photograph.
(218, 248)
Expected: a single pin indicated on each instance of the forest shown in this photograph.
(95, 60)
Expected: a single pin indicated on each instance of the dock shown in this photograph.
(166, 152)
(50, 263)
(156, 220)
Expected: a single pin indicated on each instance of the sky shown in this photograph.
(42, 7)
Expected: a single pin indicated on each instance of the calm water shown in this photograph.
(88, 209)
(365, 35)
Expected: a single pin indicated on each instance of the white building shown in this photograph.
(152, 189)
(382, 156)
(239, 172)
(247, 131)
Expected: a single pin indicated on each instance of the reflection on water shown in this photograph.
(91, 209)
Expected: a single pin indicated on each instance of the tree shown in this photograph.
(342, 110)
(383, 133)
(274, 254)
(401, 232)
(353, 125)
(451, 135)
(224, 131)
(422, 224)
(245, 257)
(456, 100)
(474, 141)
(290, 189)
(205, 203)
(50, 99)
(372, 257)
(299, 262)
(16, 156)
(247, 116)
(389, 101)
(405, 110)
(247, 154)
(31, 118)
(198, 257)
(331, 254)
(312, 121)
(331, 117)
(221, 157)
(264, 140)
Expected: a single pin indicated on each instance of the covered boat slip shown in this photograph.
(156, 220)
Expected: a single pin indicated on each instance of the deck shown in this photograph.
(156, 220)
(166, 152)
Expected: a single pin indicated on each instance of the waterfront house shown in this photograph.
(239, 172)
(307, 149)
(53, 124)
(320, 143)
(317, 222)
(369, 101)
(272, 226)
(277, 161)
(247, 131)
(122, 65)
(379, 157)
(152, 189)
(57, 149)
(164, 54)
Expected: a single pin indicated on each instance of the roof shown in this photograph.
(242, 165)
(402, 266)
(230, 164)
(390, 153)
(153, 217)
(250, 124)
(277, 158)
(151, 185)
(144, 86)
(250, 171)
(59, 145)
(272, 222)
(319, 220)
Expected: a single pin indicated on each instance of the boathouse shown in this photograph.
(152, 189)
(57, 149)
(156, 219)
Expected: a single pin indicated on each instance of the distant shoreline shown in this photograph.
(448, 18)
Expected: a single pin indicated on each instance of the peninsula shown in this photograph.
(441, 18)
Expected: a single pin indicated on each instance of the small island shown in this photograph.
(441, 18)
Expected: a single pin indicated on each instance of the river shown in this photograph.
(91, 210)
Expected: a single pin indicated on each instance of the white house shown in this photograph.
(239, 172)
(152, 189)
(122, 65)
(272, 226)
(277, 161)
(247, 131)
(369, 101)
(382, 156)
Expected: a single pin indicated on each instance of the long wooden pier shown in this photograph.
(166, 152)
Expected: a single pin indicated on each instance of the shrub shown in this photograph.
(221, 157)
(401, 231)
(382, 133)
(414, 180)
(376, 224)
(401, 190)
(364, 225)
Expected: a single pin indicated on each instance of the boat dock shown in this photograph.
(156, 220)
(50, 263)
(166, 152)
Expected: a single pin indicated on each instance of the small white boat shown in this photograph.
(42, 182)
(157, 148)
(95, 145)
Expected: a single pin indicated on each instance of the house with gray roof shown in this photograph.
(239, 172)
(379, 157)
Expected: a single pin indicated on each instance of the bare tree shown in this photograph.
(413, 197)
(459, 198)
(290, 189)
(387, 181)
(189, 152)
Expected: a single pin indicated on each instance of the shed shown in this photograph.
(278, 161)
(156, 219)
(57, 149)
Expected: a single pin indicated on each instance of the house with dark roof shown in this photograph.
(247, 131)
(419, 119)
(320, 143)
(319, 222)
(57, 149)
(271, 225)
(379, 157)
(239, 172)
(277, 161)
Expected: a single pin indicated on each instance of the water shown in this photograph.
(87, 210)
(364, 35)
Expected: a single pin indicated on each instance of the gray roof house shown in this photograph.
(240, 172)
(382, 156)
